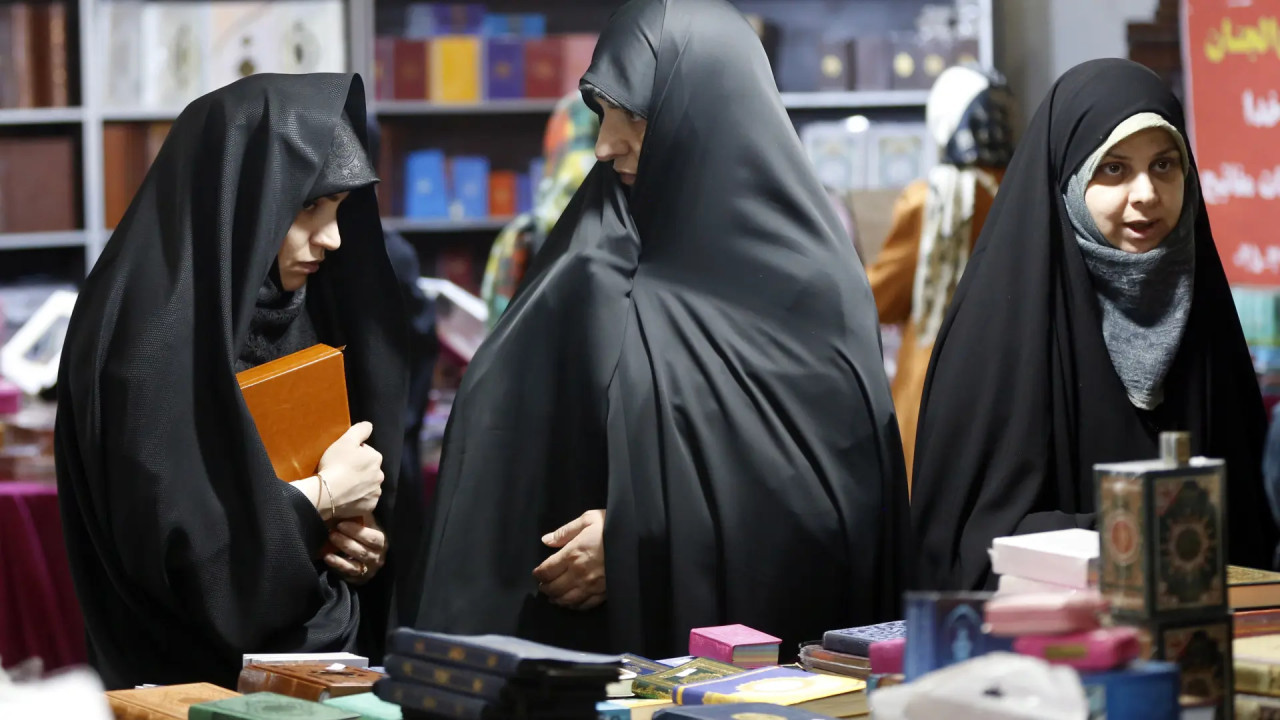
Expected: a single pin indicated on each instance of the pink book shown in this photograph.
(1096, 650)
(734, 644)
(1044, 613)
(886, 656)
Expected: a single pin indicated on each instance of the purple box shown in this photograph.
(458, 18)
(504, 68)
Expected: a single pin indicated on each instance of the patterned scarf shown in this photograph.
(280, 324)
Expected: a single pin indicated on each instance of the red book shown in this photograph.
(544, 67)
(502, 193)
(384, 63)
(578, 50)
(410, 81)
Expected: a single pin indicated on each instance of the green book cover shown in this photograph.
(370, 706)
(661, 686)
(267, 706)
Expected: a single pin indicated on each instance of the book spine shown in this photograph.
(438, 703)
(702, 646)
(448, 678)
(128, 711)
(1257, 678)
(254, 680)
(432, 649)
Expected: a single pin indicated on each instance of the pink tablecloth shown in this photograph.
(39, 614)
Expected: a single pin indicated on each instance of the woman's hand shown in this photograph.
(352, 473)
(363, 550)
(574, 577)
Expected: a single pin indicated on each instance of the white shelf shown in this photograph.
(407, 224)
(140, 114)
(40, 116)
(856, 100)
(529, 106)
(28, 241)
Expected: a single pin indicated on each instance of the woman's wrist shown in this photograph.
(314, 490)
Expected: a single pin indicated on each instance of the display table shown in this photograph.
(39, 613)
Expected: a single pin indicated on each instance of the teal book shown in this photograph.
(267, 706)
(368, 705)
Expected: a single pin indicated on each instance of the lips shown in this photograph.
(626, 177)
(1142, 229)
(309, 267)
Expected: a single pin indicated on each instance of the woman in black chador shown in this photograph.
(682, 419)
(254, 235)
(1093, 315)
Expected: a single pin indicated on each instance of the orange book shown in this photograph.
(455, 67)
(299, 403)
(167, 702)
(307, 681)
(502, 193)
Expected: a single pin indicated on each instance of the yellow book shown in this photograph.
(456, 66)
(828, 694)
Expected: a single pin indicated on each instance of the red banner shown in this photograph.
(1231, 59)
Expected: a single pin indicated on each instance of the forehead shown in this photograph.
(1150, 141)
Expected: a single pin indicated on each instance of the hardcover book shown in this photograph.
(267, 706)
(947, 628)
(1202, 649)
(661, 686)
(858, 640)
(299, 404)
(1162, 533)
(163, 702)
(502, 655)
(735, 644)
(781, 686)
(307, 681)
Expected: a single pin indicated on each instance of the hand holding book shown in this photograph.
(348, 482)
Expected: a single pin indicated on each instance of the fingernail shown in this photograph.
(546, 538)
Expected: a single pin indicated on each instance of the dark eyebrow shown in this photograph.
(1115, 155)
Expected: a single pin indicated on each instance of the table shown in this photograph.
(39, 613)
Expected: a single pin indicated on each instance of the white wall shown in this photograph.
(1038, 40)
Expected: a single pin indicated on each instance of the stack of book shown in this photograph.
(1163, 567)
(848, 651)
(433, 675)
(1059, 561)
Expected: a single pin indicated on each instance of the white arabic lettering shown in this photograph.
(1256, 260)
(1231, 180)
(1259, 111)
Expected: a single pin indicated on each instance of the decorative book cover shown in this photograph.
(735, 644)
(307, 681)
(947, 628)
(267, 706)
(167, 701)
(641, 666)
(1162, 545)
(299, 404)
(502, 655)
(858, 640)
(504, 68)
(492, 687)
(780, 686)
(661, 686)
(1201, 648)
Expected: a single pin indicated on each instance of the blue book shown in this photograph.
(458, 18)
(469, 186)
(613, 711)
(426, 193)
(1142, 691)
(497, 689)
(502, 655)
(738, 710)
(524, 193)
(504, 68)
(858, 640)
(944, 629)
(522, 25)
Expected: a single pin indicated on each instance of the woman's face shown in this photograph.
(619, 141)
(1135, 196)
(313, 233)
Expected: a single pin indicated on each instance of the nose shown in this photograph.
(610, 145)
(1143, 191)
(328, 237)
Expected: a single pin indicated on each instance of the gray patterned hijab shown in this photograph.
(348, 166)
(1145, 298)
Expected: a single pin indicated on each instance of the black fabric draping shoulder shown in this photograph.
(700, 356)
(185, 548)
(1022, 398)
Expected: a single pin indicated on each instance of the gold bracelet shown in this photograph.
(324, 483)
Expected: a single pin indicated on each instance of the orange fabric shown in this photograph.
(892, 278)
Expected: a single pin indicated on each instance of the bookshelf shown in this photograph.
(365, 20)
